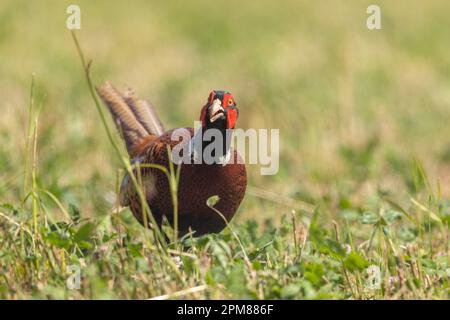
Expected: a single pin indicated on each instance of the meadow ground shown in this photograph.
(359, 209)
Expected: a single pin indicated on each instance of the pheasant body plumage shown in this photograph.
(147, 143)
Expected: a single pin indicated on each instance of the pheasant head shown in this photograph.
(220, 111)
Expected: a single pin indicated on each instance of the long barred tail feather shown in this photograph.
(134, 117)
(145, 113)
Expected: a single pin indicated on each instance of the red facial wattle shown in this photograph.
(231, 112)
(232, 115)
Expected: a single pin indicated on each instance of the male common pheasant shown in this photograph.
(146, 141)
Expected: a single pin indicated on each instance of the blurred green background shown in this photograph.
(354, 106)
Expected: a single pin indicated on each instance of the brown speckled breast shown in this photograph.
(197, 183)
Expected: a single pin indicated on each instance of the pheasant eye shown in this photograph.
(230, 102)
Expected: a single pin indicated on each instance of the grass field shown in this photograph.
(364, 179)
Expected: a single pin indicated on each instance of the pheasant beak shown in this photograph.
(216, 111)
